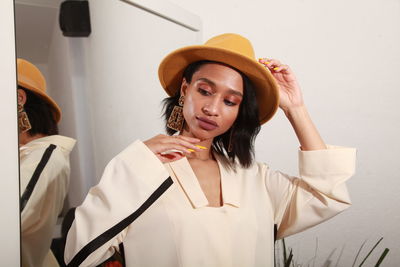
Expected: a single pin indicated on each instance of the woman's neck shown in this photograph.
(25, 138)
(204, 154)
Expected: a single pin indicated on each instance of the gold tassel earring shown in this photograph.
(175, 120)
(24, 124)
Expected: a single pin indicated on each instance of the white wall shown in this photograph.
(346, 56)
(9, 183)
(124, 95)
(68, 85)
(107, 84)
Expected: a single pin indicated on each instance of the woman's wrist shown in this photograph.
(304, 128)
(295, 112)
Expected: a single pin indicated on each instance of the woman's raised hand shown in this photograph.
(170, 148)
(289, 89)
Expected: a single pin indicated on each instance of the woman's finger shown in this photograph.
(173, 147)
(270, 62)
(187, 138)
(281, 68)
(275, 65)
(162, 145)
(181, 142)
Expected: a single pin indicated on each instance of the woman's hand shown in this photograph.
(170, 148)
(291, 102)
(289, 89)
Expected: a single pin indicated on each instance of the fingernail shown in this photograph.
(201, 147)
(190, 150)
(267, 62)
(277, 68)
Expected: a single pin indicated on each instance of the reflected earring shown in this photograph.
(24, 124)
(175, 120)
(230, 145)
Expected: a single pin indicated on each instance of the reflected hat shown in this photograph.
(30, 77)
(233, 50)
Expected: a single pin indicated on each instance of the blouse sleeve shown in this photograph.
(131, 182)
(319, 192)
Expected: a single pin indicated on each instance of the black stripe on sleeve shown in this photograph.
(122, 253)
(113, 231)
(35, 177)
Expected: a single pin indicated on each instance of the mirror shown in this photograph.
(100, 81)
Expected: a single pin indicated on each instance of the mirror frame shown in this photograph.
(9, 172)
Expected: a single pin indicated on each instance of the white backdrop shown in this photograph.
(346, 56)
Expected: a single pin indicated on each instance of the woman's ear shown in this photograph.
(184, 87)
(21, 97)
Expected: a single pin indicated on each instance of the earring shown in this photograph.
(175, 120)
(24, 124)
(230, 145)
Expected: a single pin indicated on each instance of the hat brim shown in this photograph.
(171, 70)
(26, 84)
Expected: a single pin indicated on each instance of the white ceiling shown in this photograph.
(35, 22)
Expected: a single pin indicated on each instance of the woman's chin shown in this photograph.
(199, 133)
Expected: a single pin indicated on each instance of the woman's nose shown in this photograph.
(211, 108)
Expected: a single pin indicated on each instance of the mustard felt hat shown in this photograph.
(233, 50)
(30, 77)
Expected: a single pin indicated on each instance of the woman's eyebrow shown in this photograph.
(207, 81)
(211, 83)
(234, 92)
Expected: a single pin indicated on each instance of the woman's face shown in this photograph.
(212, 100)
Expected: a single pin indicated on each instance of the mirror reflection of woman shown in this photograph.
(198, 197)
(44, 166)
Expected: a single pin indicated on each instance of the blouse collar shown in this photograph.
(66, 143)
(191, 186)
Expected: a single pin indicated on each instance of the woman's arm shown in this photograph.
(130, 184)
(291, 102)
(319, 192)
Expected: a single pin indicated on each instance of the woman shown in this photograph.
(198, 198)
(44, 166)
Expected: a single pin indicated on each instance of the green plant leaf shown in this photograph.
(328, 260)
(369, 253)
(284, 250)
(340, 256)
(289, 259)
(384, 253)
(358, 253)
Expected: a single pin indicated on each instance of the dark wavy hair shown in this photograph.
(40, 114)
(243, 131)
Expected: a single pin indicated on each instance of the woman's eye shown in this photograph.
(203, 91)
(229, 103)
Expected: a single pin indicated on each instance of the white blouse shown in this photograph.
(161, 215)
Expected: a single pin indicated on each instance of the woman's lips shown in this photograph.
(207, 124)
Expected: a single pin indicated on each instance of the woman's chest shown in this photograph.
(176, 229)
(209, 178)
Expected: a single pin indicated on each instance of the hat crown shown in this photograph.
(233, 42)
(233, 50)
(30, 76)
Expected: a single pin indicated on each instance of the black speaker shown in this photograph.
(74, 18)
